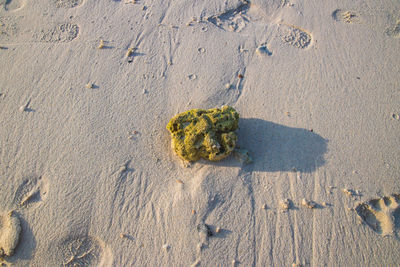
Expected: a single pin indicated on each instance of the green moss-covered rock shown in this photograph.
(200, 133)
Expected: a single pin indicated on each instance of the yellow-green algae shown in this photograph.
(208, 134)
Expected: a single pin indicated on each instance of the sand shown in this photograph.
(88, 87)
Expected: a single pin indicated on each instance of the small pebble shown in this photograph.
(166, 247)
(130, 51)
(89, 85)
(308, 203)
(179, 181)
(101, 45)
(201, 50)
(217, 230)
(348, 192)
(285, 204)
(122, 235)
(396, 116)
(240, 76)
(192, 77)
(228, 85)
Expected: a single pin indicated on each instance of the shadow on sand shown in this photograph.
(277, 148)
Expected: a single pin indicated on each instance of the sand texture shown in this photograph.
(87, 88)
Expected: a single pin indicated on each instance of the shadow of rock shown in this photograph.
(277, 148)
(223, 233)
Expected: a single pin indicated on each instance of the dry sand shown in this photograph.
(87, 88)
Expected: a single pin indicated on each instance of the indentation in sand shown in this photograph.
(8, 28)
(68, 3)
(345, 16)
(33, 190)
(10, 230)
(381, 214)
(236, 19)
(394, 30)
(13, 5)
(295, 36)
(231, 20)
(64, 32)
(84, 250)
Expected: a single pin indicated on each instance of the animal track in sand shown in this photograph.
(82, 251)
(381, 214)
(295, 36)
(33, 190)
(68, 3)
(394, 30)
(345, 16)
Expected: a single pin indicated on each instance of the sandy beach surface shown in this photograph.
(87, 173)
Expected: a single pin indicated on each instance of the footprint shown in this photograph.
(231, 20)
(236, 19)
(65, 32)
(10, 230)
(12, 5)
(32, 190)
(345, 16)
(295, 36)
(382, 215)
(67, 3)
(8, 29)
(394, 31)
(82, 251)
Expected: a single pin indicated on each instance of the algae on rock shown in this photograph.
(208, 134)
(10, 229)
